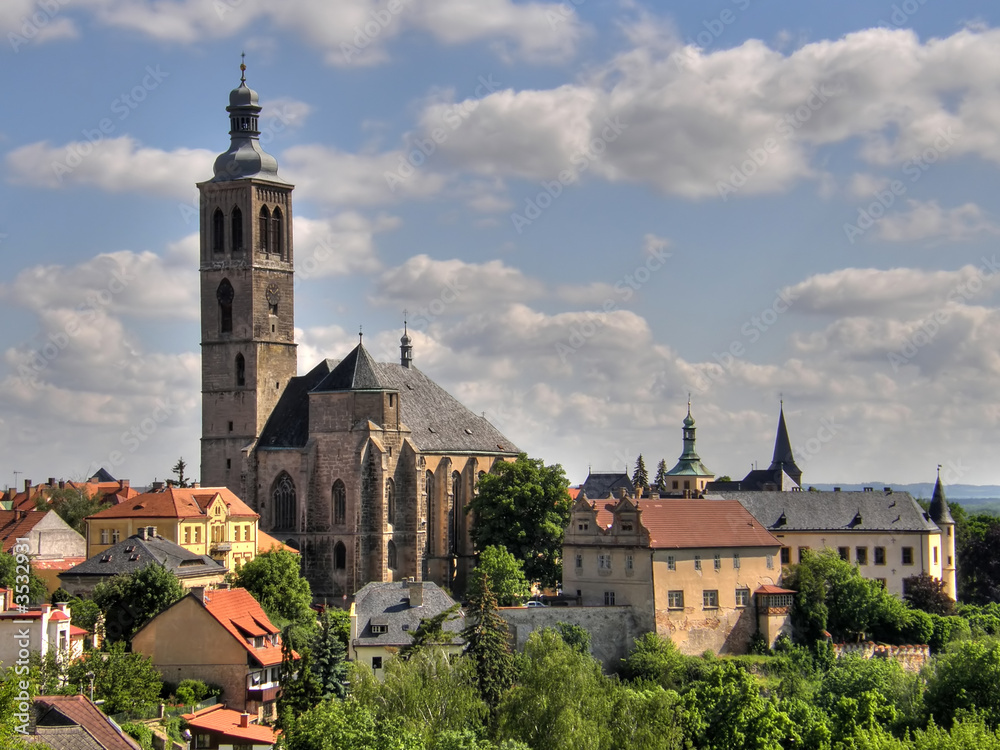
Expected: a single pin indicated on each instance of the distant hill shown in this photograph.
(978, 497)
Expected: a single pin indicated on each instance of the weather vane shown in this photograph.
(243, 67)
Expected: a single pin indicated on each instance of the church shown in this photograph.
(365, 467)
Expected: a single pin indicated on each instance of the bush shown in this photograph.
(190, 692)
(947, 630)
(140, 733)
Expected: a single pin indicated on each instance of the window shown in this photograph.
(718, 562)
(104, 536)
(340, 556)
(283, 497)
(187, 535)
(697, 562)
(579, 562)
(844, 552)
(218, 231)
(230, 425)
(391, 554)
(786, 555)
(907, 555)
(376, 662)
(263, 228)
(710, 599)
(202, 741)
(582, 526)
(861, 555)
(379, 629)
(276, 243)
(241, 371)
(390, 500)
(770, 562)
(675, 484)
(881, 582)
(225, 295)
(339, 502)
(431, 515)
(604, 561)
(675, 600)
(934, 549)
(197, 534)
(116, 536)
(629, 562)
(736, 560)
(671, 562)
(609, 598)
(687, 484)
(229, 463)
(626, 526)
(742, 597)
(236, 235)
(880, 555)
(802, 551)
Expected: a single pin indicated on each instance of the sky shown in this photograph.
(588, 210)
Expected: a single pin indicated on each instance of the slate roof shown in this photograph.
(604, 484)
(135, 553)
(437, 421)
(782, 457)
(833, 511)
(388, 603)
(72, 722)
(175, 502)
(695, 524)
(225, 721)
(939, 505)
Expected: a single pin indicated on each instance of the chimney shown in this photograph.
(62, 484)
(142, 532)
(27, 485)
(19, 515)
(195, 485)
(416, 589)
(244, 720)
(199, 592)
(157, 486)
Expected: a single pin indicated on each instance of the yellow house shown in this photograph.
(204, 520)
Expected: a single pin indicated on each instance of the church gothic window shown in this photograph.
(225, 296)
(390, 500)
(263, 228)
(237, 233)
(429, 487)
(276, 244)
(340, 556)
(339, 503)
(218, 231)
(283, 497)
(241, 370)
(391, 554)
(455, 519)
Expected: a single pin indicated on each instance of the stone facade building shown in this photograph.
(365, 467)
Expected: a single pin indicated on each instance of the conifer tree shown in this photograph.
(661, 475)
(640, 477)
(300, 690)
(330, 666)
(487, 643)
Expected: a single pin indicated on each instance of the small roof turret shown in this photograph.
(939, 504)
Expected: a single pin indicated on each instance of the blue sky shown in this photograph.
(590, 209)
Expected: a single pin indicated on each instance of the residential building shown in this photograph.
(221, 728)
(53, 545)
(688, 568)
(689, 476)
(48, 629)
(135, 553)
(222, 637)
(102, 486)
(384, 616)
(72, 722)
(365, 467)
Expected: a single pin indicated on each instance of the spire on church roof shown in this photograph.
(245, 157)
(783, 458)
(689, 464)
(939, 504)
(358, 371)
(405, 348)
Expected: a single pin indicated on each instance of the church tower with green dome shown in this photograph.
(690, 475)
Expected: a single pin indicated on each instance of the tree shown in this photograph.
(37, 589)
(71, 504)
(655, 659)
(661, 475)
(505, 574)
(125, 681)
(977, 538)
(430, 632)
(927, 593)
(330, 656)
(300, 688)
(487, 642)
(574, 636)
(966, 678)
(130, 600)
(640, 477)
(13, 722)
(524, 506)
(179, 467)
(346, 725)
(274, 580)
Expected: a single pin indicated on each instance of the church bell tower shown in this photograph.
(247, 312)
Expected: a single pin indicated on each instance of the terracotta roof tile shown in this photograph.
(769, 589)
(227, 722)
(265, 542)
(60, 710)
(232, 606)
(175, 502)
(17, 523)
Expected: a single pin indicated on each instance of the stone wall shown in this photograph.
(911, 658)
(613, 630)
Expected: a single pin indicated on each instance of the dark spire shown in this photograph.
(405, 348)
(939, 505)
(783, 459)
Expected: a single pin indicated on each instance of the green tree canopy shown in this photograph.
(179, 468)
(71, 504)
(927, 593)
(346, 725)
(329, 651)
(661, 475)
(640, 477)
(506, 577)
(430, 632)
(37, 589)
(130, 600)
(274, 580)
(125, 681)
(524, 506)
(966, 677)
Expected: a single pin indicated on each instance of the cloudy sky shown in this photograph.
(589, 209)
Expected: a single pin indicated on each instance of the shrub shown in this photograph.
(140, 733)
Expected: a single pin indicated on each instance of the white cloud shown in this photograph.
(927, 220)
(342, 245)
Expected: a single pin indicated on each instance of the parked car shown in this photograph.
(534, 603)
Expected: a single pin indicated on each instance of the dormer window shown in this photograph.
(583, 526)
(379, 629)
(627, 526)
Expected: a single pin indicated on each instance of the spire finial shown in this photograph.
(939, 471)
(406, 314)
(361, 335)
(689, 403)
(243, 67)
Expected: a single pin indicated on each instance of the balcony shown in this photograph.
(221, 547)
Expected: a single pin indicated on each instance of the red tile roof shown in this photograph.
(75, 632)
(80, 711)
(225, 721)
(769, 589)
(175, 502)
(265, 542)
(235, 607)
(59, 563)
(696, 524)
(17, 523)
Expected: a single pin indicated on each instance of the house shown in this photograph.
(220, 728)
(385, 614)
(101, 486)
(53, 545)
(885, 533)
(222, 637)
(687, 567)
(135, 553)
(41, 630)
(204, 520)
(72, 722)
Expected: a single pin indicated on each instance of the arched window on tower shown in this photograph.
(390, 501)
(237, 230)
(339, 503)
(224, 294)
(390, 553)
(241, 370)
(283, 499)
(455, 516)
(263, 229)
(429, 487)
(277, 246)
(218, 231)
(339, 556)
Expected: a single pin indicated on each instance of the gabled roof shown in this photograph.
(695, 524)
(833, 511)
(356, 372)
(604, 484)
(135, 553)
(266, 542)
(175, 502)
(220, 720)
(388, 603)
(59, 714)
(233, 606)
(16, 524)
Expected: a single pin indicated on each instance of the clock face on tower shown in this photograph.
(272, 294)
